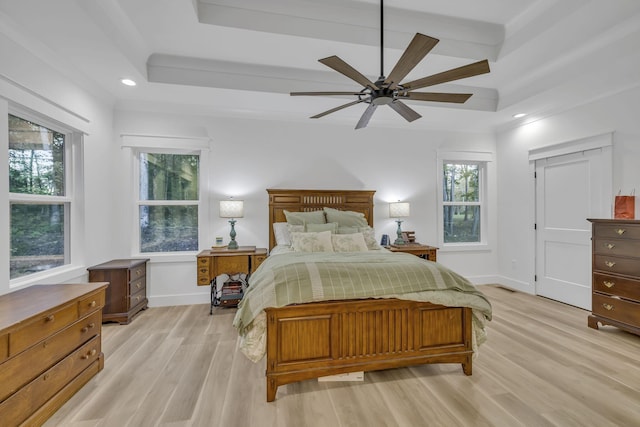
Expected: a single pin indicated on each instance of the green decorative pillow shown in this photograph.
(346, 218)
(330, 226)
(302, 218)
(348, 243)
(369, 235)
(348, 230)
(312, 242)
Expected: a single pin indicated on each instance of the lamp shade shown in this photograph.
(398, 209)
(231, 208)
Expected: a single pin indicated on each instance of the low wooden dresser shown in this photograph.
(616, 274)
(50, 346)
(127, 293)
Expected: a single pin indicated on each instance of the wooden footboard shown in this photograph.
(316, 339)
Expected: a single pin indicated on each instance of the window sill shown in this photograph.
(64, 274)
(465, 247)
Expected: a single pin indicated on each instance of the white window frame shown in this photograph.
(149, 147)
(74, 213)
(484, 161)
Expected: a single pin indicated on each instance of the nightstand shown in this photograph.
(422, 251)
(211, 263)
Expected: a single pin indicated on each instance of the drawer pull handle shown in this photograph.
(46, 376)
(608, 307)
(138, 298)
(620, 231)
(89, 354)
(610, 245)
(50, 318)
(92, 304)
(138, 285)
(609, 284)
(86, 328)
(609, 263)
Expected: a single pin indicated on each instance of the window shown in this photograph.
(461, 203)
(168, 201)
(463, 212)
(39, 197)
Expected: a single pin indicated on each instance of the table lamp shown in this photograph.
(399, 210)
(232, 209)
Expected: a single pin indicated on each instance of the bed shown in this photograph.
(306, 340)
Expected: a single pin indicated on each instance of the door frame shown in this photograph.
(602, 141)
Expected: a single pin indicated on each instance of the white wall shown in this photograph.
(516, 240)
(28, 82)
(248, 156)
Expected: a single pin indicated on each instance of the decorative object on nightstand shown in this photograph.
(423, 251)
(399, 210)
(232, 209)
(214, 262)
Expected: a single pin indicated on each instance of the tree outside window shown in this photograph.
(168, 202)
(39, 204)
(461, 202)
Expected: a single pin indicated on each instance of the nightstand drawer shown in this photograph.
(137, 272)
(616, 247)
(257, 261)
(617, 231)
(232, 264)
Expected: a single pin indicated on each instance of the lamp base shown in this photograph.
(232, 243)
(399, 240)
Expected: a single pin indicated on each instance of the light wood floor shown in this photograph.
(541, 366)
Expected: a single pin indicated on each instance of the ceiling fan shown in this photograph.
(388, 90)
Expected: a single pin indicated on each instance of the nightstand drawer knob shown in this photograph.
(608, 307)
(610, 246)
(92, 304)
(620, 231)
(609, 263)
(609, 284)
(50, 318)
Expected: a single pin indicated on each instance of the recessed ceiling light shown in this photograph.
(128, 82)
(519, 115)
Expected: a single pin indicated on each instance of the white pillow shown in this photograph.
(369, 234)
(311, 242)
(348, 243)
(282, 232)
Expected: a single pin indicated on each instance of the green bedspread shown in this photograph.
(299, 277)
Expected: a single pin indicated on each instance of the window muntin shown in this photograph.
(38, 197)
(168, 202)
(462, 202)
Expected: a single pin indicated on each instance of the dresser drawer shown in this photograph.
(617, 231)
(4, 347)
(91, 303)
(42, 327)
(18, 371)
(232, 264)
(138, 285)
(617, 265)
(626, 247)
(616, 309)
(614, 285)
(137, 272)
(137, 298)
(16, 409)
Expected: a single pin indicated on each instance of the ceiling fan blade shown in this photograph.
(324, 93)
(458, 98)
(333, 110)
(343, 68)
(415, 52)
(401, 108)
(366, 116)
(480, 67)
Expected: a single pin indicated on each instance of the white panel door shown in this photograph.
(569, 189)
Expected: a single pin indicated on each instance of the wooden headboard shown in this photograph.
(314, 200)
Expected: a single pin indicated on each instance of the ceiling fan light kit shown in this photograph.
(388, 90)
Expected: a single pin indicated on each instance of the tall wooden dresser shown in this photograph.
(616, 274)
(50, 346)
(127, 292)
